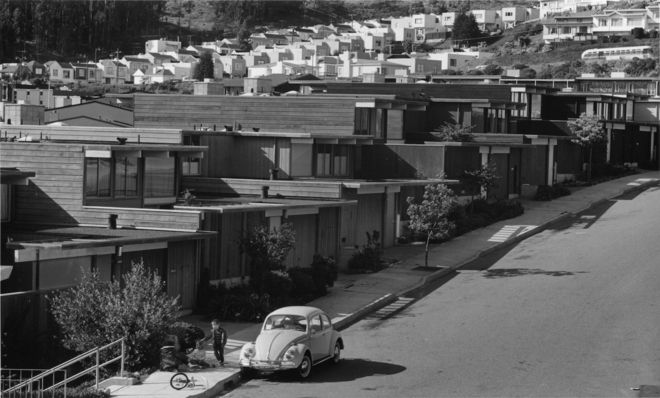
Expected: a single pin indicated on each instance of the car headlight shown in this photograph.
(247, 351)
(290, 353)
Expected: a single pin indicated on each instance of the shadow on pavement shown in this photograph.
(348, 369)
(632, 194)
(509, 272)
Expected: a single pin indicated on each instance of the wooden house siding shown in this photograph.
(183, 272)
(402, 161)
(162, 135)
(318, 115)
(328, 231)
(287, 188)
(55, 194)
(305, 247)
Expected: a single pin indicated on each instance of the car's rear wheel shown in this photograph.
(305, 367)
(336, 355)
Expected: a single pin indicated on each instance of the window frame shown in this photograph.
(332, 159)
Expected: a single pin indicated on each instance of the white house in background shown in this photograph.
(233, 65)
(327, 66)
(349, 68)
(134, 64)
(139, 77)
(276, 53)
(453, 60)
(288, 68)
(161, 45)
(160, 76)
(373, 43)
(512, 16)
(573, 26)
(447, 19)
(487, 19)
(180, 70)
(114, 72)
(550, 7)
(60, 71)
(620, 22)
(419, 65)
(653, 15)
(255, 58)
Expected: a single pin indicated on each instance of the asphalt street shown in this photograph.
(571, 312)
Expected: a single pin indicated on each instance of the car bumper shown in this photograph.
(269, 366)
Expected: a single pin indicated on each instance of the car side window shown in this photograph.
(326, 322)
(316, 324)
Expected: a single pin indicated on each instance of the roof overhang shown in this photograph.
(15, 176)
(391, 185)
(272, 206)
(56, 239)
(159, 151)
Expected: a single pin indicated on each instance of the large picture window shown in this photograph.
(332, 160)
(369, 121)
(159, 177)
(126, 176)
(97, 182)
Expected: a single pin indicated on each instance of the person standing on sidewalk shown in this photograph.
(219, 337)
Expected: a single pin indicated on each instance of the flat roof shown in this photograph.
(77, 237)
(245, 203)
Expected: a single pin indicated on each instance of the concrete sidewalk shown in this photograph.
(354, 296)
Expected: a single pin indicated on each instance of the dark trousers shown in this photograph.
(219, 352)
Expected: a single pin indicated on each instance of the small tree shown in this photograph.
(485, 177)
(204, 69)
(454, 132)
(97, 312)
(431, 216)
(267, 248)
(587, 131)
(465, 27)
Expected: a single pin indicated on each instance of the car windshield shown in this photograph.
(289, 322)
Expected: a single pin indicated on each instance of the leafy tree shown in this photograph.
(243, 37)
(267, 248)
(416, 7)
(438, 7)
(465, 28)
(485, 177)
(97, 312)
(454, 132)
(493, 69)
(587, 131)
(640, 67)
(204, 69)
(430, 217)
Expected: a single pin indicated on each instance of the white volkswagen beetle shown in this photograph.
(293, 338)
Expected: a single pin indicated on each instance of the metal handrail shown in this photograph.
(96, 351)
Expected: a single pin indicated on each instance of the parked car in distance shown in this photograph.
(293, 338)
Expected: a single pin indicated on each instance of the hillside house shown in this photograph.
(575, 26)
(60, 72)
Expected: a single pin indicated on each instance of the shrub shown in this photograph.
(187, 333)
(279, 284)
(324, 272)
(97, 312)
(549, 192)
(304, 287)
(367, 257)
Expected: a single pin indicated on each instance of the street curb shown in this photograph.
(375, 305)
(427, 280)
(229, 382)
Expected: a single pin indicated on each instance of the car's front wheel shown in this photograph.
(336, 355)
(305, 367)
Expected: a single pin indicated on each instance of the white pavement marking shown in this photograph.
(393, 308)
(509, 231)
(233, 345)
